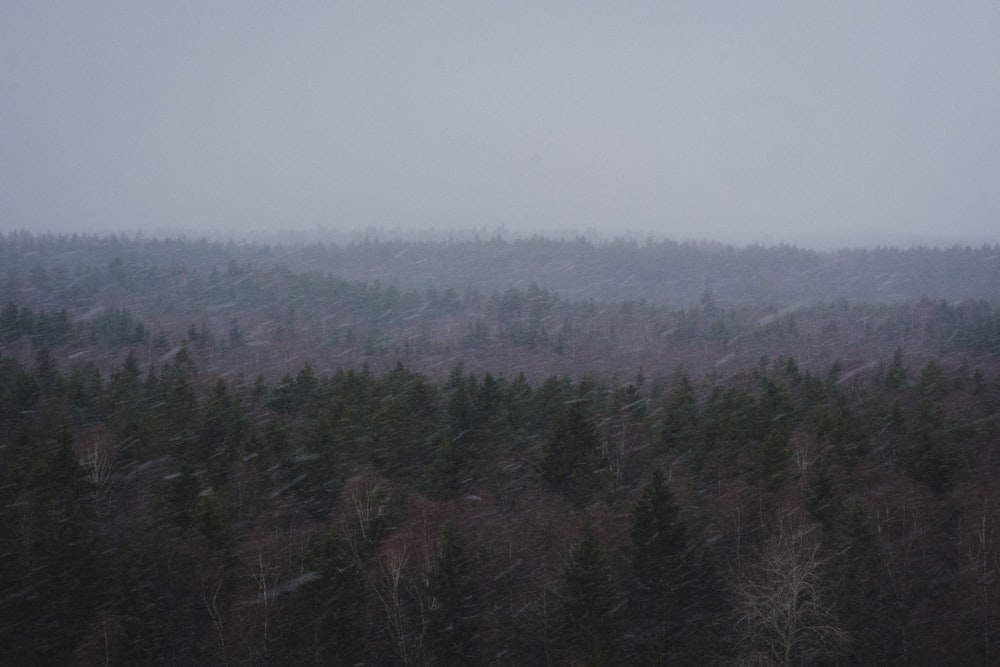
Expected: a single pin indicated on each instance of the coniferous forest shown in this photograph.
(490, 451)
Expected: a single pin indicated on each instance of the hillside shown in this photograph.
(222, 454)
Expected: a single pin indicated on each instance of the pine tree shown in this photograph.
(931, 455)
(588, 623)
(326, 629)
(676, 595)
(771, 457)
(680, 422)
(659, 542)
(896, 375)
(449, 470)
(569, 460)
(451, 630)
(861, 599)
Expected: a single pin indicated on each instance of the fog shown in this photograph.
(834, 123)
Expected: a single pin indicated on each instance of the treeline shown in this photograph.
(165, 515)
(660, 272)
(250, 321)
(111, 327)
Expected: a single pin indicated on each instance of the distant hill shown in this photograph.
(664, 273)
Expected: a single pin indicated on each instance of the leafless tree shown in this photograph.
(782, 613)
(212, 607)
(98, 461)
(369, 502)
(391, 593)
(983, 562)
(264, 575)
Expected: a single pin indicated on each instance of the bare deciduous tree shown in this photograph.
(982, 562)
(391, 592)
(98, 460)
(212, 607)
(782, 613)
(369, 505)
(264, 576)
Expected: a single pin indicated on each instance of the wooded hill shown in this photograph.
(660, 272)
(95, 298)
(252, 464)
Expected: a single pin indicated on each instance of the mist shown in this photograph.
(827, 124)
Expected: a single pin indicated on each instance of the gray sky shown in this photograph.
(744, 121)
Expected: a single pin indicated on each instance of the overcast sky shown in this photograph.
(741, 121)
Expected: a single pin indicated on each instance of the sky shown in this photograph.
(824, 122)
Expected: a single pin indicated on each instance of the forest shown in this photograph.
(489, 451)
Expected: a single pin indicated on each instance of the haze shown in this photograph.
(812, 123)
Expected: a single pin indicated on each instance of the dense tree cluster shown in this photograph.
(661, 272)
(805, 486)
(160, 515)
(240, 309)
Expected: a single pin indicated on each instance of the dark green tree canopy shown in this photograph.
(587, 599)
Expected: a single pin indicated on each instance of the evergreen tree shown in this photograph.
(895, 377)
(771, 457)
(305, 390)
(222, 432)
(124, 391)
(46, 373)
(448, 471)
(673, 576)
(862, 600)
(659, 541)
(588, 602)
(932, 455)
(326, 627)
(932, 383)
(49, 553)
(570, 454)
(460, 391)
(10, 321)
(680, 422)
(454, 610)
(820, 497)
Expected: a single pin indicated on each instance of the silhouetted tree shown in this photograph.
(588, 601)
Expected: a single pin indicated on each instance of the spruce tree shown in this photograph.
(659, 539)
(681, 421)
(587, 619)
(661, 559)
(569, 459)
(453, 615)
(895, 378)
(676, 587)
(326, 628)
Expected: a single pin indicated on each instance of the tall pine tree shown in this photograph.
(570, 454)
(588, 623)
(672, 574)
(453, 615)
